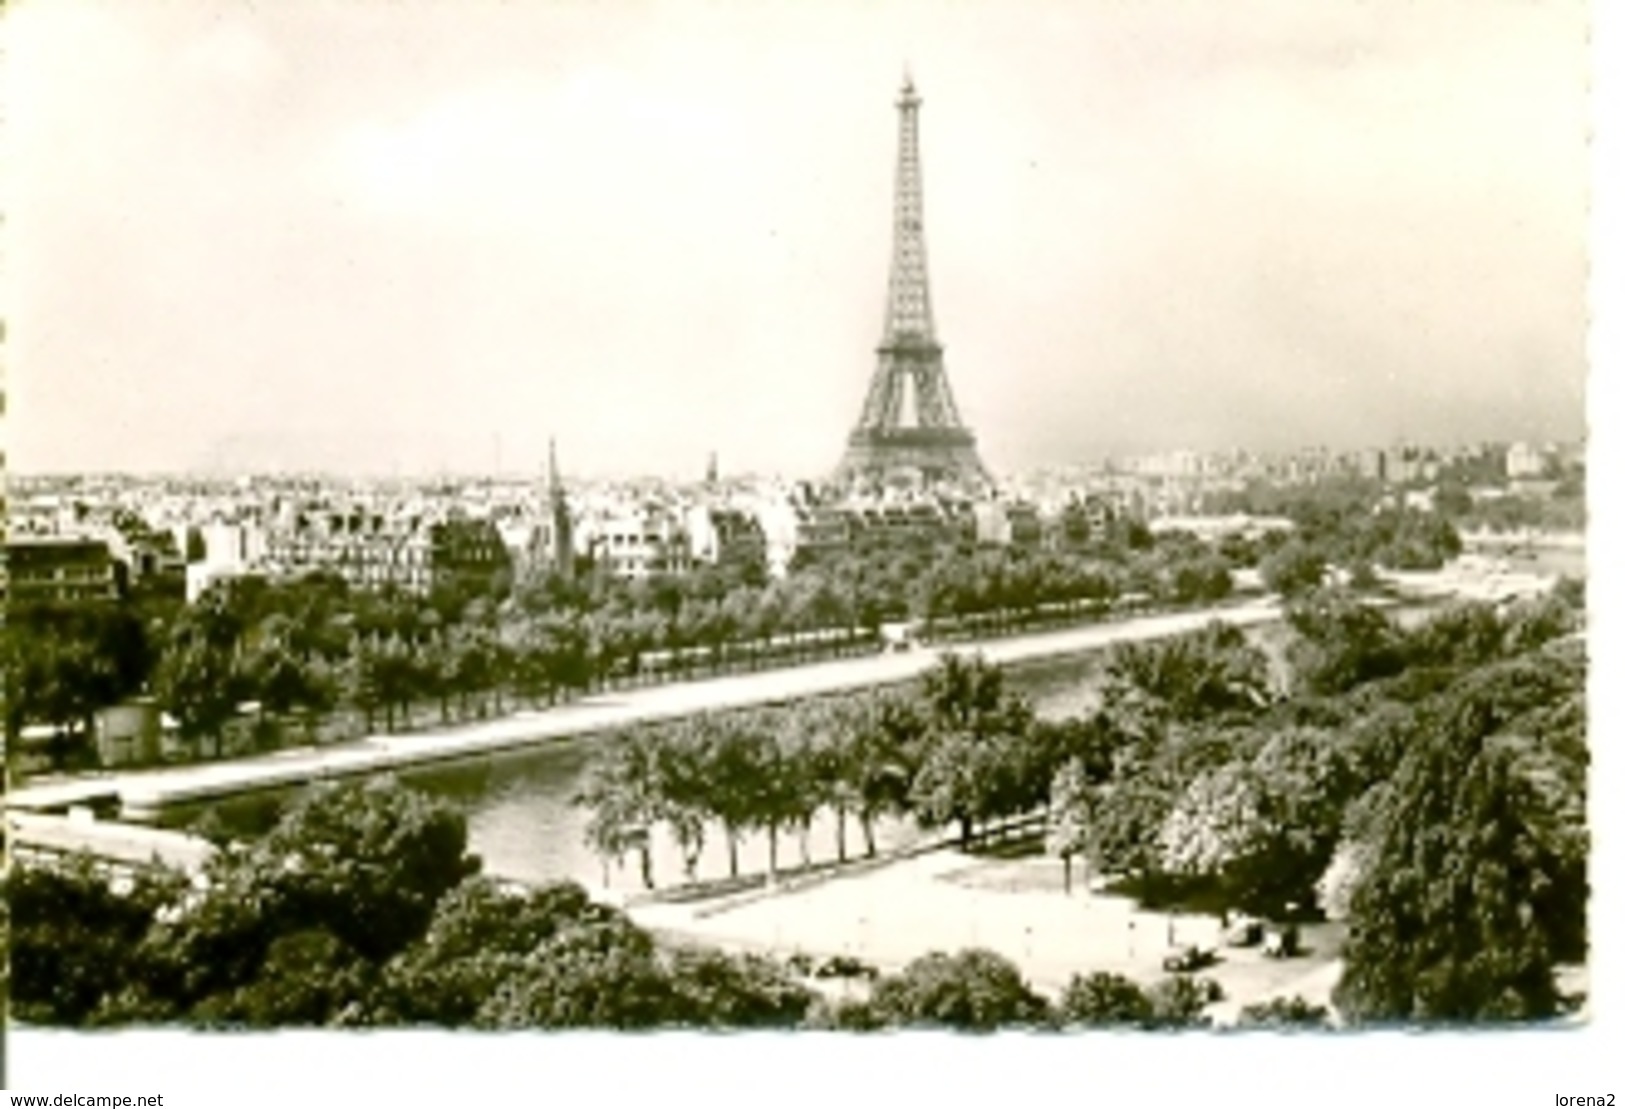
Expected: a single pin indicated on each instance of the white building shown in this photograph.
(637, 541)
(1525, 460)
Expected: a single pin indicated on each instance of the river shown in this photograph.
(523, 826)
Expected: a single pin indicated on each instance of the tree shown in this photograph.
(1468, 896)
(276, 672)
(734, 767)
(370, 860)
(620, 788)
(479, 936)
(1178, 1002)
(968, 695)
(70, 938)
(1294, 569)
(1285, 1014)
(880, 758)
(364, 863)
(1339, 643)
(807, 769)
(307, 978)
(718, 990)
(975, 990)
(774, 782)
(974, 742)
(1128, 817)
(1104, 1000)
(1263, 829)
(1464, 634)
(604, 973)
(965, 779)
(1071, 817)
(199, 678)
(1199, 675)
(682, 790)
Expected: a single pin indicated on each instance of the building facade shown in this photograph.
(57, 569)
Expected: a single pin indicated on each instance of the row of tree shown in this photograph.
(961, 750)
(306, 650)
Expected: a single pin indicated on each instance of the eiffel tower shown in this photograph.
(934, 446)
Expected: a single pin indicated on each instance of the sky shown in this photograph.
(416, 236)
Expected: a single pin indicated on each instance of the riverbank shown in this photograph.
(144, 795)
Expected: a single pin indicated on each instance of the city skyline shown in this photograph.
(663, 235)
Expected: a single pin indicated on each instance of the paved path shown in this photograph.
(143, 794)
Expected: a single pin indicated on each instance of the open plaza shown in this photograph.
(947, 900)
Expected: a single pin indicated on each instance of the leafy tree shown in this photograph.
(975, 990)
(601, 974)
(364, 863)
(70, 937)
(807, 771)
(1129, 815)
(1071, 817)
(1202, 674)
(1285, 1014)
(1104, 999)
(1178, 1002)
(1464, 634)
(775, 782)
(724, 991)
(682, 791)
(968, 696)
(479, 936)
(307, 978)
(199, 678)
(1265, 829)
(1339, 643)
(621, 790)
(734, 761)
(369, 860)
(1295, 569)
(1531, 623)
(966, 779)
(880, 740)
(1469, 894)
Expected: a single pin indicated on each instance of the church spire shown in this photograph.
(561, 529)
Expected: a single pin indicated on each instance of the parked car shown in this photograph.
(1282, 942)
(844, 966)
(1188, 958)
(1244, 931)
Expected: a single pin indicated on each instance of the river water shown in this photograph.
(523, 825)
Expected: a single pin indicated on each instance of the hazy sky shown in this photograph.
(378, 235)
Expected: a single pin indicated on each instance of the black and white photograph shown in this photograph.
(1022, 520)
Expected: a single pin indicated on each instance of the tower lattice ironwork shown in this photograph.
(934, 445)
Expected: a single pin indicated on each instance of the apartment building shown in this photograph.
(57, 569)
